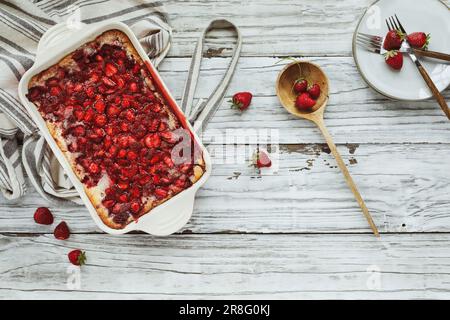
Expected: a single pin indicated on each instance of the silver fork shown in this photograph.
(374, 44)
(394, 24)
(370, 43)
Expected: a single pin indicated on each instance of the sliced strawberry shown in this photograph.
(134, 87)
(108, 203)
(110, 69)
(109, 82)
(62, 231)
(94, 168)
(78, 131)
(261, 159)
(152, 141)
(43, 215)
(135, 207)
(99, 105)
(79, 115)
(161, 193)
(100, 120)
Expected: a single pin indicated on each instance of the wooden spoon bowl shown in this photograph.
(285, 92)
(285, 86)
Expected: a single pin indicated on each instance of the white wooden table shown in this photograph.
(295, 234)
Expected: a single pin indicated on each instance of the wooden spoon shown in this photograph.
(314, 74)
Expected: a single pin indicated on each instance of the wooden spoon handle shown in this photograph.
(439, 97)
(347, 176)
(432, 54)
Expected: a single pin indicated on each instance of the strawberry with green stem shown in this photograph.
(394, 59)
(241, 100)
(300, 85)
(419, 40)
(77, 257)
(393, 40)
(304, 102)
(314, 91)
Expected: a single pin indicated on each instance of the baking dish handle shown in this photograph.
(55, 35)
(169, 217)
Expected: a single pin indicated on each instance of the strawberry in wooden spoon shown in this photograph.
(314, 91)
(301, 85)
(393, 40)
(304, 102)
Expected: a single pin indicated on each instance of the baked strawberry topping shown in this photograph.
(116, 125)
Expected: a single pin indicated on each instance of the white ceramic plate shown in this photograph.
(429, 16)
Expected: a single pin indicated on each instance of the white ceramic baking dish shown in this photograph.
(61, 40)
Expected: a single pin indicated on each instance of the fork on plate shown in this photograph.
(375, 44)
(395, 24)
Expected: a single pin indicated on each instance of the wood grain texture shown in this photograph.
(405, 187)
(395, 151)
(229, 266)
(289, 28)
(355, 113)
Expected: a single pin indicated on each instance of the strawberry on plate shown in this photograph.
(393, 40)
(419, 40)
(77, 257)
(241, 100)
(394, 59)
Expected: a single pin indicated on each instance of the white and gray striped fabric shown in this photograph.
(22, 23)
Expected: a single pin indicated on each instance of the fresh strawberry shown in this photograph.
(77, 257)
(62, 231)
(393, 40)
(419, 40)
(300, 85)
(304, 102)
(43, 216)
(314, 91)
(261, 159)
(394, 59)
(241, 100)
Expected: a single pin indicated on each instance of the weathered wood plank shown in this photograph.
(405, 187)
(355, 114)
(229, 266)
(273, 28)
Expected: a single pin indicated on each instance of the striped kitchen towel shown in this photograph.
(22, 23)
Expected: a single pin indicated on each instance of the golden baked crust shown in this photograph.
(96, 193)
